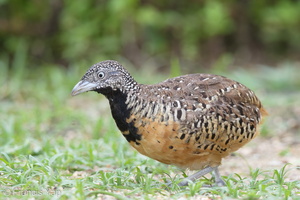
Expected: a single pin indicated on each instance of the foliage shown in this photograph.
(66, 32)
(55, 146)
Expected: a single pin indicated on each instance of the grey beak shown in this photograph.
(83, 86)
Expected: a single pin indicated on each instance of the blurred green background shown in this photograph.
(198, 33)
(49, 139)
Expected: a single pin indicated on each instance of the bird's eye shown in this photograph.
(101, 74)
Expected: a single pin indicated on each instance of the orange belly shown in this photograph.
(160, 141)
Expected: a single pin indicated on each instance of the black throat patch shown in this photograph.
(120, 113)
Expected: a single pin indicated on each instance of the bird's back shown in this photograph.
(192, 121)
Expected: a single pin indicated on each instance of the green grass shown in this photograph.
(54, 146)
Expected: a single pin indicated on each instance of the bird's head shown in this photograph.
(104, 77)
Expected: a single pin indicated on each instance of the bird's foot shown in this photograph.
(218, 181)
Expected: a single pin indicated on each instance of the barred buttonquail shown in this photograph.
(191, 121)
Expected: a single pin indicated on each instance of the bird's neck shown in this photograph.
(120, 110)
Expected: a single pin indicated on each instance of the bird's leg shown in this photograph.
(218, 179)
(193, 177)
(197, 175)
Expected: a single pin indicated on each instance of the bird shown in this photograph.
(191, 121)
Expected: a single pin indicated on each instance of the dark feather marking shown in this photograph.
(120, 113)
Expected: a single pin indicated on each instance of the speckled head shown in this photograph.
(103, 77)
